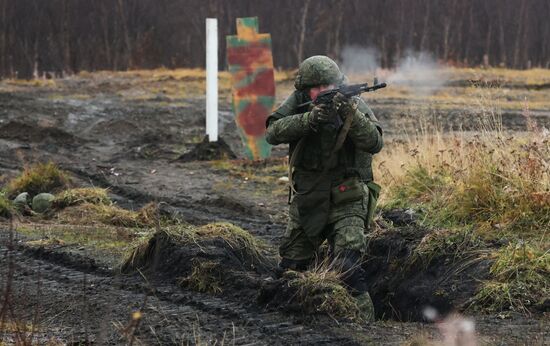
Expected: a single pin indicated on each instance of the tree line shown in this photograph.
(66, 36)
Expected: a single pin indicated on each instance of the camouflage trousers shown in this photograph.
(345, 230)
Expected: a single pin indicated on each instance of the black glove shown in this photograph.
(344, 106)
(319, 114)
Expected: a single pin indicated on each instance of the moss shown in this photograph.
(206, 277)
(42, 177)
(91, 195)
(520, 279)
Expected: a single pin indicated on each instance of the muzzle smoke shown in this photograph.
(418, 71)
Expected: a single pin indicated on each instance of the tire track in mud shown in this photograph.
(78, 302)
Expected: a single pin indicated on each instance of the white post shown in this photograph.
(212, 79)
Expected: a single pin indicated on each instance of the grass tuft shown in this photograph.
(321, 291)
(235, 236)
(42, 177)
(521, 279)
(454, 243)
(206, 277)
(108, 214)
(91, 195)
(6, 206)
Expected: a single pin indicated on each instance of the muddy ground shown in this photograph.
(100, 131)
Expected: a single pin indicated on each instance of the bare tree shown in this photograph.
(70, 35)
(302, 37)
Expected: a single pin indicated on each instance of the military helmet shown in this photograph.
(317, 70)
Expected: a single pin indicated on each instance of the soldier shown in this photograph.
(333, 195)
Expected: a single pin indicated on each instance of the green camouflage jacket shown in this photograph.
(288, 124)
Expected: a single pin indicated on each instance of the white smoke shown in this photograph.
(357, 60)
(418, 71)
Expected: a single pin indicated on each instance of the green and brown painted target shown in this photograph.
(250, 63)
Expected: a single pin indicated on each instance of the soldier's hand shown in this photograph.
(345, 106)
(318, 115)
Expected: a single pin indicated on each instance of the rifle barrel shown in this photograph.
(363, 87)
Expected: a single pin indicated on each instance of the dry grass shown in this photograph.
(91, 195)
(206, 277)
(233, 235)
(6, 206)
(246, 246)
(521, 279)
(321, 291)
(454, 243)
(41, 177)
(174, 86)
(100, 238)
(480, 187)
(500, 184)
(108, 214)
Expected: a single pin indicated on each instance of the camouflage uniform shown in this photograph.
(315, 216)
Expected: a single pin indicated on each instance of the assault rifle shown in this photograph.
(325, 97)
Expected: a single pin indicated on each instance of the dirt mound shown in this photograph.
(406, 275)
(317, 292)
(211, 258)
(32, 133)
(207, 151)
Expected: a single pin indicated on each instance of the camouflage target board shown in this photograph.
(253, 84)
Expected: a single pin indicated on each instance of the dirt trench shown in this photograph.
(78, 302)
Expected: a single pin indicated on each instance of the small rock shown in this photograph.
(22, 200)
(42, 202)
